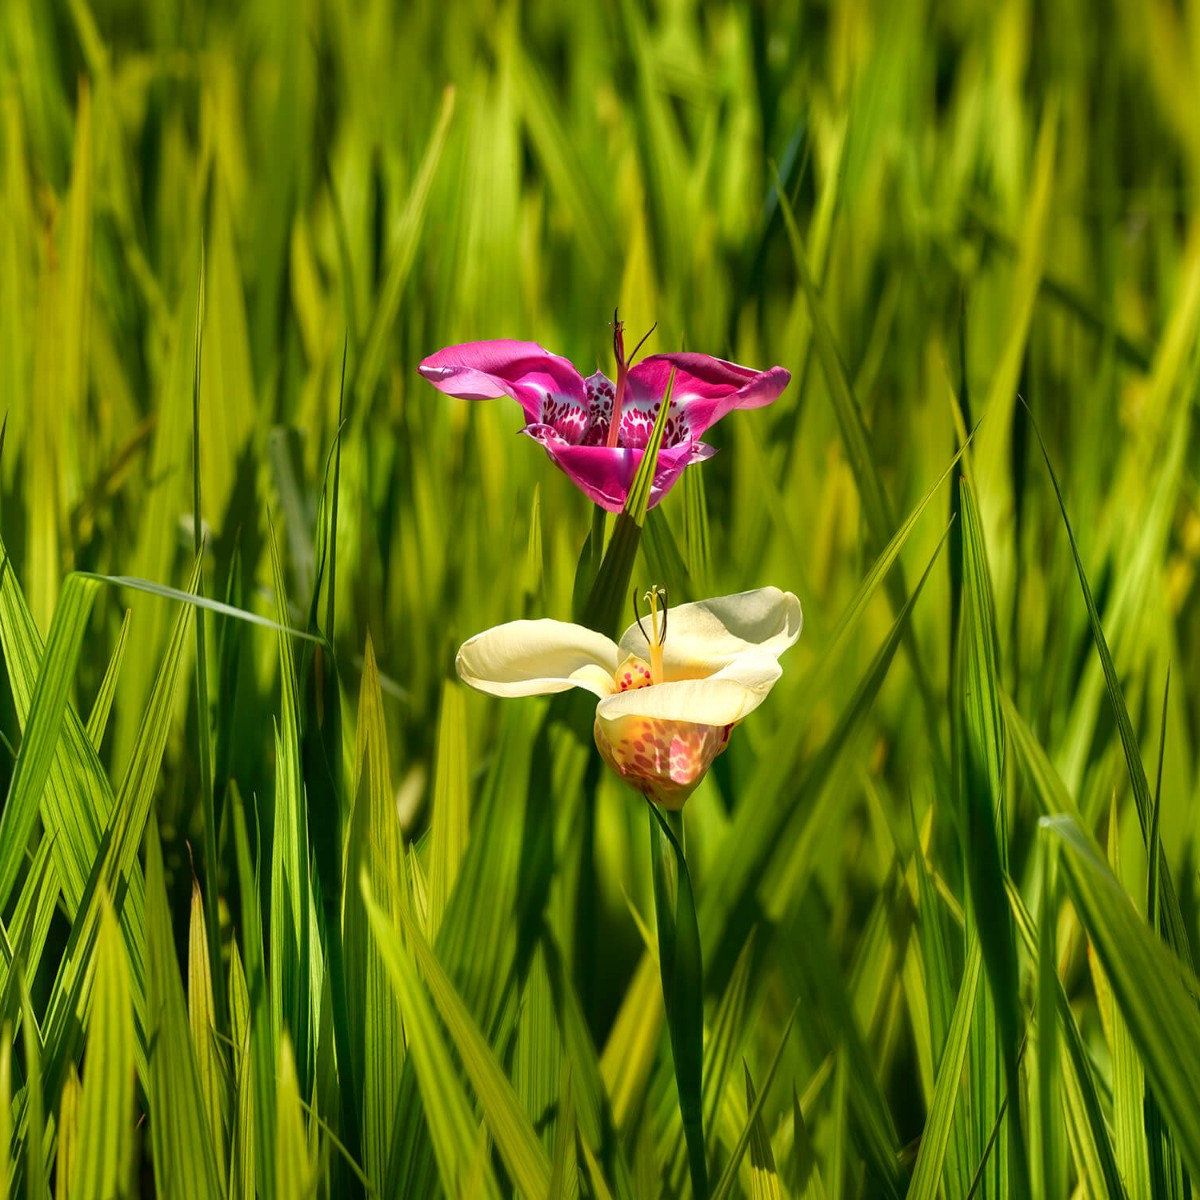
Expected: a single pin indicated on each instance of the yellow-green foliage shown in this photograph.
(285, 909)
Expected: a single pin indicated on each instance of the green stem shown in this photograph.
(682, 975)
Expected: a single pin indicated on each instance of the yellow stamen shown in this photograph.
(658, 631)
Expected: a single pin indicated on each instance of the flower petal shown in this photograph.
(664, 760)
(546, 386)
(536, 658)
(710, 635)
(705, 388)
(605, 474)
(721, 699)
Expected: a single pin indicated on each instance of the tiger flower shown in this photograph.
(596, 430)
(668, 694)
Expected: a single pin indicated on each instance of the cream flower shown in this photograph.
(668, 696)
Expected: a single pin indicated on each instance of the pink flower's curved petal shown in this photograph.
(546, 386)
(605, 474)
(705, 389)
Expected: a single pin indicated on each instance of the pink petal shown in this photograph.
(545, 385)
(705, 388)
(605, 474)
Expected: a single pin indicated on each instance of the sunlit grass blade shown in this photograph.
(375, 853)
(764, 1179)
(452, 1124)
(450, 820)
(1164, 1023)
(294, 1172)
(37, 1184)
(1175, 929)
(520, 1150)
(404, 248)
(979, 749)
(43, 730)
(6, 1048)
(927, 1174)
(184, 1149)
(729, 1176)
(206, 1042)
(102, 705)
(103, 1163)
(257, 1092)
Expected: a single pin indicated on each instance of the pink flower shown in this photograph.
(572, 417)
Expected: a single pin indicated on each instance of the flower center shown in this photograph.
(656, 600)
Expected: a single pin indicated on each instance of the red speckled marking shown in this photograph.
(565, 417)
(637, 419)
(664, 760)
(634, 672)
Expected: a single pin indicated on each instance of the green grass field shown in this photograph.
(287, 910)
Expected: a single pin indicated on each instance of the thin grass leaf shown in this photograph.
(452, 1124)
(450, 821)
(44, 727)
(1164, 1023)
(376, 854)
(520, 1150)
(931, 1157)
(728, 1178)
(183, 1145)
(6, 1047)
(102, 705)
(1174, 926)
(764, 1180)
(294, 1172)
(202, 1020)
(103, 1162)
(37, 1184)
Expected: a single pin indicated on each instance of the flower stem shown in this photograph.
(682, 973)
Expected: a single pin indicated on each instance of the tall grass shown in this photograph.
(285, 909)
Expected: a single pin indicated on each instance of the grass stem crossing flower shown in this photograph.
(668, 695)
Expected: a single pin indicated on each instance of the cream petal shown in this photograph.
(708, 635)
(536, 658)
(722, 699)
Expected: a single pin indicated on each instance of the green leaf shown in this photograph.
(37, 1186)
(103, 1162)
(202, 1019)
(1163, 1021)
(931, 1157)
(44, 727)
(451, 818)
(1173, 923)
(979, 762)
(725, 1185)
(764, 1180)
(256, 1082)
(181, 1139)
(452, 1125)
(294, 1172)
(6, 1047)
(375, 853)
(519, 1147)
(102, 705)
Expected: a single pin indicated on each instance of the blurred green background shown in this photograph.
(207, 209)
